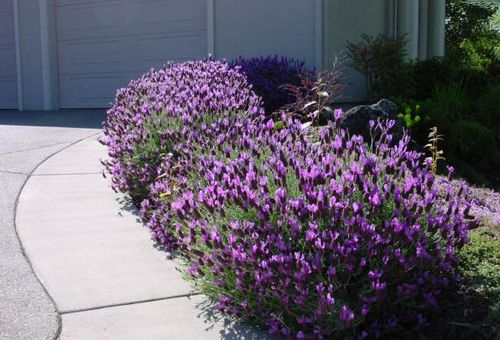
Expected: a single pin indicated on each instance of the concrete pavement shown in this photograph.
(97, 262)
(89, 249)
(26, 139)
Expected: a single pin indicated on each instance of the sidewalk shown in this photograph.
(96, 260)
(26, 140)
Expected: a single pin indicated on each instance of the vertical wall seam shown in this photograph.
(19, 69)
(211, 27)
(55, 50)
(318, 32)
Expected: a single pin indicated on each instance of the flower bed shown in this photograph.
(313, 240)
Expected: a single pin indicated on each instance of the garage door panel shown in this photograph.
(89, 20)
(89, 90)
(6, 28)
(8, 75)
(170, 47)
(167, 16)
(91, 56)
(102, 45)
(94, 56)
(62, 3)
(8, 94)
(8, 66)
(6, 6)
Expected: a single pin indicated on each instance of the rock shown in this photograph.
(356, 120)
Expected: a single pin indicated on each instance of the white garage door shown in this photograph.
(8, 83)
(102, 44)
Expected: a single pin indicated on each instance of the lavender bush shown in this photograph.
(268, 76)
(156, 116)
(324, 239)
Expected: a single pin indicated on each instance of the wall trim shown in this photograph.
(318, 34)
(436, 30)
(211, 27)
(391, 18)
(19, 69)
(408, 20)
(48, 54)
(423, 27)
(45, 54)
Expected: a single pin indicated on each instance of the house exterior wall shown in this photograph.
(436, 28)
(252, 28)
(422, 22)
(312, 30)
(347, 21)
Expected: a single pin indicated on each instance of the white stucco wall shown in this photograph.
(436, 30)
(408, 25)
(347, 21)
(264, 27)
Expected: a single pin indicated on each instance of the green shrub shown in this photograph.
(448, 104)
(470, 38)
(488, 109)
(473, 142)
(472, 43)
(473, 310)
(428, 74)
(382, 60)
(470, 129)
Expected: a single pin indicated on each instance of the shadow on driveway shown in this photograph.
(26, 140)
(86, 119)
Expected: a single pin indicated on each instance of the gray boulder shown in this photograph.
(356, 120)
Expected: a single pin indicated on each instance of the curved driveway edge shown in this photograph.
(26, 140)
(96, 260)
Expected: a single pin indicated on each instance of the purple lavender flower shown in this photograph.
(274, 226)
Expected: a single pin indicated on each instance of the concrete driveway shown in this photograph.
(101, 276)
(26, 140)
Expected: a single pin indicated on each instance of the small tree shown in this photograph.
(470, 37)
(382, 61)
